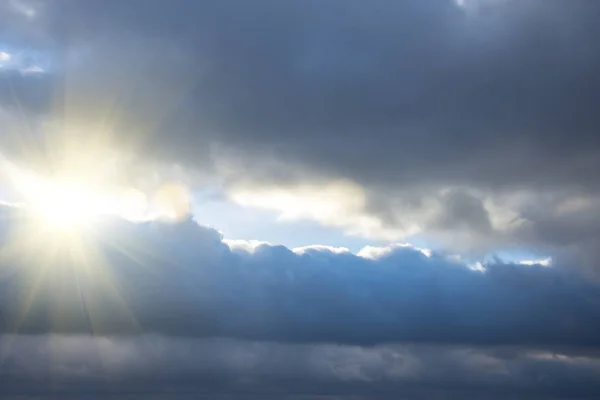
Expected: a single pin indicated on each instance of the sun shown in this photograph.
(80, 183)
(75, 194)
(57, 234)
(77, 199)
(69, 201)
(68, 206)
(60, 202)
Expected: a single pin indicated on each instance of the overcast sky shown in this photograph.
(388, 199)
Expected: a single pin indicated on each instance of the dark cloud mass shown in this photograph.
(423, 91)
(406, 99)
(183, 280)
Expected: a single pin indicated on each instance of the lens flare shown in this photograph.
(172, 202)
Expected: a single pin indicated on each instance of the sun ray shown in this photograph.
(52, 235)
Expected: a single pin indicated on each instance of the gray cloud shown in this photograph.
(405, 99)
(421, 88)
(183, 280)
(159, 366)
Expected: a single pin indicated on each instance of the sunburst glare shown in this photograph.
(68, 200)
(63, 204)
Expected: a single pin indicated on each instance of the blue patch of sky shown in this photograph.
(24, 59)
(240, 223)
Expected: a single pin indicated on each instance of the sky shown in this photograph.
(299, 200)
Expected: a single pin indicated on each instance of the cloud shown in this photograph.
(545, 262)
(26, 9)
(418, 107)
(470, 123)
(156, 365)
(340, 204)
(183, 280)
(19, 62)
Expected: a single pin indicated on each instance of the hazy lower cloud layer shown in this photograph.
(156, 367)
(172, 308)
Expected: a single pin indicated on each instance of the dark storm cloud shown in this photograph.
(183, 280)
(384, 92)
(403, 98)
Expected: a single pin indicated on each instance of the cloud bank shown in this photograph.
(183, 280)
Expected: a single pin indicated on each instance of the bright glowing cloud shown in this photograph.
(305, 201)
(546, 262)
(248, 246)
(339, 204)
(74, 181)
(315, 249)
(64, 202)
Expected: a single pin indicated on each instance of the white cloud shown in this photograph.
(321, 248)
(339, 204)
(33, 70)
(248, 246)
(546, 262)
(324, 202)
(434, 212)
(376, 252)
